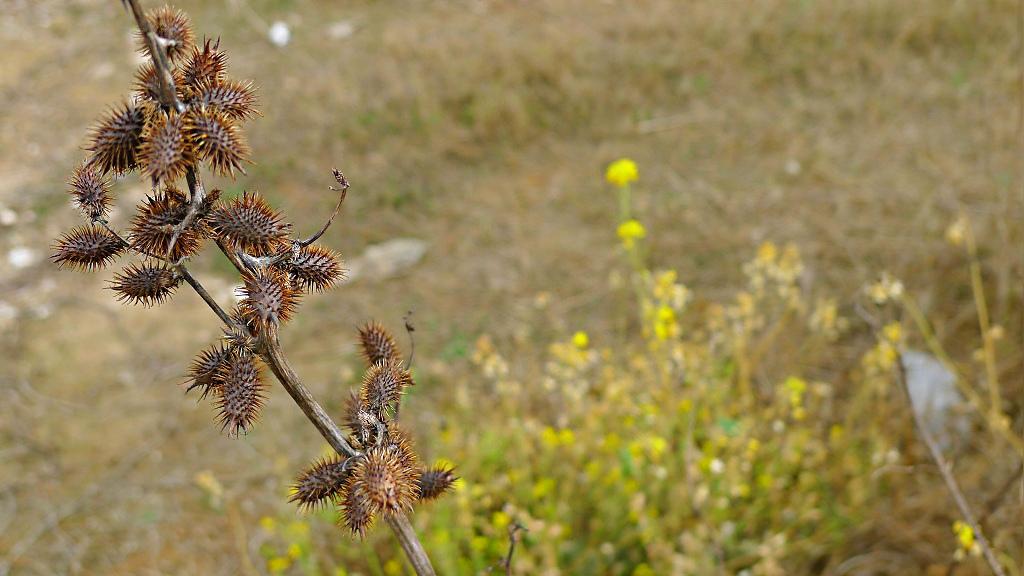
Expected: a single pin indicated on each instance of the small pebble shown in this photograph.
(280, 34)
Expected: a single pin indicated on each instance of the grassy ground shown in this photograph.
(857, 131)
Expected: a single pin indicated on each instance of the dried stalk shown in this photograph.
(946, 470)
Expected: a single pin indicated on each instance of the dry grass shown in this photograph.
(856, 130)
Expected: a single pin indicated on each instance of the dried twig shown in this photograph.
(946, 470)
(513, 537)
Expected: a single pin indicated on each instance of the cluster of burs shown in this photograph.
(184, 113)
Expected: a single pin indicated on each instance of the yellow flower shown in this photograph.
(581, 340)
(630, 231)
(543, 487)
(886, 289)
(622, 172)
(549, 437)
(893, 332)
(393, 567)
(566, 437)
(767, 252)
(294, 551)
(643, 570)
(268, 524)
(657, 446)
(965, 539)
(665, 322)
(278, 564)
(500, 520)
(956, 231)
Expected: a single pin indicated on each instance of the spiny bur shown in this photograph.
(250, 224)
(145, 284)
(216, 139)
(116, 140)
(87, 248)
(236, 99)
(166, 152)
(205, 67)
(155, 222)
(269, 299)
(435, 482)
(315, 268)
(147, 83)
(320, 483)
(91, 192)
(376, 343)
(383, 385)
(241, 393)
(205, 373)
(386, 481)
(174, 27)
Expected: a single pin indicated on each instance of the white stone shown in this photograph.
(8, 217)
(22, 257)
(341, 29)
(279, 34)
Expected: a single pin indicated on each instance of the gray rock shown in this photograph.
(387, 259)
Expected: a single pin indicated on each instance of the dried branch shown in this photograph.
(946, 470)
(342, 190)
(513, 538)
(180, 268)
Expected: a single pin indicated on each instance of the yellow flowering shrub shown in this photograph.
(708, 436)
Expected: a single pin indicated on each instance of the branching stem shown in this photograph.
(271, 349)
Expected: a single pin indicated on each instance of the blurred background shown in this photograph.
(715, 391)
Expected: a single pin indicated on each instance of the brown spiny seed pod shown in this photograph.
(322, 481)
(205, 67)
(166, 152)
(241, 394)
(240, 336)
(383, 385)
(269, 300)
(377, 344)
(171, 25)
(115, 141)
(207, 369)
(315, 268)
(234, 98)
(153, 226)
(399, 442)
(350, 418)
(355, 509)
(435, 482)
(384, 480)
(86, 248)
(250, 224)
(145, 284)
(147, 83)
(216, 139)
(91, 192)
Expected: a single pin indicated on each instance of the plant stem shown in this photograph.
(204, 294)
(946, 470)
(279, 365)
(414, 551)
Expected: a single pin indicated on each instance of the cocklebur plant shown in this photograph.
(183, 113)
